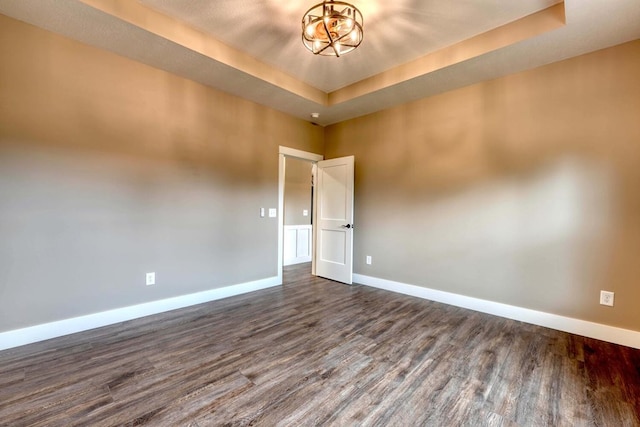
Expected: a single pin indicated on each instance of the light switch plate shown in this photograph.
(261, 212)
(305, 213)
(273, 212)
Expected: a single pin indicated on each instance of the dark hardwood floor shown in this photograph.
(315, 352)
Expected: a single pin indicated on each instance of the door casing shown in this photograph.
(285, 152)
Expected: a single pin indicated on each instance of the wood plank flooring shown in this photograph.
(315, 352)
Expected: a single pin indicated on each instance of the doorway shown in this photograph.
(298, 159)
(297, 212)
(329, 240)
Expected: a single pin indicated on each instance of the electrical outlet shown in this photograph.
(151, 279)
(273, 213)
(606, 298)
(368, 259)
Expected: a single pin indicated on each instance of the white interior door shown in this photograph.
(334, 219)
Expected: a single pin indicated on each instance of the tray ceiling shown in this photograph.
(412, 48)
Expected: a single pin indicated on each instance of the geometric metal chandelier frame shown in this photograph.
(332, 28)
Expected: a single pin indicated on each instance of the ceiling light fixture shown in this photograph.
(332, 28)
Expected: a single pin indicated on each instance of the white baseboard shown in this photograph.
(598, 331)
(46, 331)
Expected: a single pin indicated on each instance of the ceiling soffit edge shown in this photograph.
(184, 35)
(530, 26)
(191, 38)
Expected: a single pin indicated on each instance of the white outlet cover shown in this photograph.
(607, 298)
(151, 279)
(305, 212)
(368, 260)
(273, 212)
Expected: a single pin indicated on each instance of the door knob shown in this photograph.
(347, 226)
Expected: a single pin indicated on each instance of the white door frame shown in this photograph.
(298, 154)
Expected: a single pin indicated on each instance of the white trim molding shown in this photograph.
(298, 241)
(585, 328)
(59, 328)
(299, 154)
(283, 153)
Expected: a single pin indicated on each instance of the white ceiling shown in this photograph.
(395, 31)
(267, 32)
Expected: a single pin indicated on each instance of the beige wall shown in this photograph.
(110, 169)
(297, 192)
(523, 190)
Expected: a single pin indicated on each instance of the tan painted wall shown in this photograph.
(297, 192)
(110, 169)
(523, 190)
